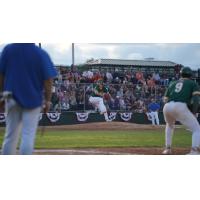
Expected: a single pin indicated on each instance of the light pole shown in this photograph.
(73, 54)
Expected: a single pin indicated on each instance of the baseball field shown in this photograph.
(114, 138)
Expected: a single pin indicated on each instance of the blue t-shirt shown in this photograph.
(153, 107)
(25, 67)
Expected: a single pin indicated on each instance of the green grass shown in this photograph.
(81, 139)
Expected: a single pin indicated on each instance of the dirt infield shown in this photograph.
(105, 126)
(109, 151)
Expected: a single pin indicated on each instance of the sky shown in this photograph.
(187, 54)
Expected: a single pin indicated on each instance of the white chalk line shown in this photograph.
(79, 151)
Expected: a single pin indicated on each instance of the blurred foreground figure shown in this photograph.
(26, 71)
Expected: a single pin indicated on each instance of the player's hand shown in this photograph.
(46, 106)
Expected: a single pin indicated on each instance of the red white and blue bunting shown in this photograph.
(126, 116)
(2, 117)
(82, 117)
(112, 116)
(53, 117)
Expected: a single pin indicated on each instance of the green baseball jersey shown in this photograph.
(182, 91)
(99, 90)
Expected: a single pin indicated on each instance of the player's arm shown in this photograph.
(48, 73)
(47, 94)
(195, 100)
(195, 103)
(1, 82)
(166, 96)
(167, 92)
(165, 99)
(1, 90)
(3, 59)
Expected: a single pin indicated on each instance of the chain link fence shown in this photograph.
(124, 97)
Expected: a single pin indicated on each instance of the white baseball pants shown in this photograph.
(154, 117)
(20, 120)
(177, 111)
(98, 103)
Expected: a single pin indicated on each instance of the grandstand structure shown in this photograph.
(122, 65)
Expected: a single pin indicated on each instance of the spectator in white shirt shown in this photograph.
(109, 77)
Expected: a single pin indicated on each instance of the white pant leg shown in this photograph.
(148, 116)
(180, 112)
(152, 118)
(170, 121)
(156, 118)
(30, 119)
(98, 102)
(94, 101)
(13, 127)
(190, 121)
(102, 107)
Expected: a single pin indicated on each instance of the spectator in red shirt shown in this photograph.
(139, 75)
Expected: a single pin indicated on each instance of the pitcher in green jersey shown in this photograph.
(96, 98)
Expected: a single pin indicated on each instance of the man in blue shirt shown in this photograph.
(153, 109)
(26, 72)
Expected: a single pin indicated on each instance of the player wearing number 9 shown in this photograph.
(178, 98)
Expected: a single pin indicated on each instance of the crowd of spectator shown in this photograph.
(130, 91)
